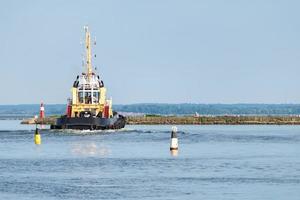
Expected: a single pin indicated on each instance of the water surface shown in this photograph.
(213, 162)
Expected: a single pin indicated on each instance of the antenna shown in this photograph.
(88, 52)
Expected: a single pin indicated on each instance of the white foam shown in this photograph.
(88, 132)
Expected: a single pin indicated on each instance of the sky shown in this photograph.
(153, 51)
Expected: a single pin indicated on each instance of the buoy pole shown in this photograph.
(174, 139)
(37, 137)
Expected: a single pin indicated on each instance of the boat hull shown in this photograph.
(90, 123)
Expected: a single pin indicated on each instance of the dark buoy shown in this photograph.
(37, 137)
(174, 139)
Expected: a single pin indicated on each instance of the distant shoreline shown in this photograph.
(216, 120)
(167, 109)
(190, 120)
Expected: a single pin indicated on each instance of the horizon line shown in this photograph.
(163, 104)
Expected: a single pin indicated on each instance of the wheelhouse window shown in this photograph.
(95, 97)
(88, 97)
(80, 97)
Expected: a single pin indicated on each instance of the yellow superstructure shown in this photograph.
(88, 91)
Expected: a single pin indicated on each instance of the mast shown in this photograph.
(88, 52)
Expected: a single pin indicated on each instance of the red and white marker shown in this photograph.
(42, 111)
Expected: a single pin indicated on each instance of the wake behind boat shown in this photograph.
(88, 108)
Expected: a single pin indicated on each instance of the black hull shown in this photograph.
(90, 123)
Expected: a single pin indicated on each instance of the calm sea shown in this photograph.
(213, 162)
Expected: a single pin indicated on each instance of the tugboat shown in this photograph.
(88, 108)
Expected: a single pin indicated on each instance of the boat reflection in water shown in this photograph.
(89, 149)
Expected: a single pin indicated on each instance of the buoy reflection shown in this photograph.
(174, 153)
